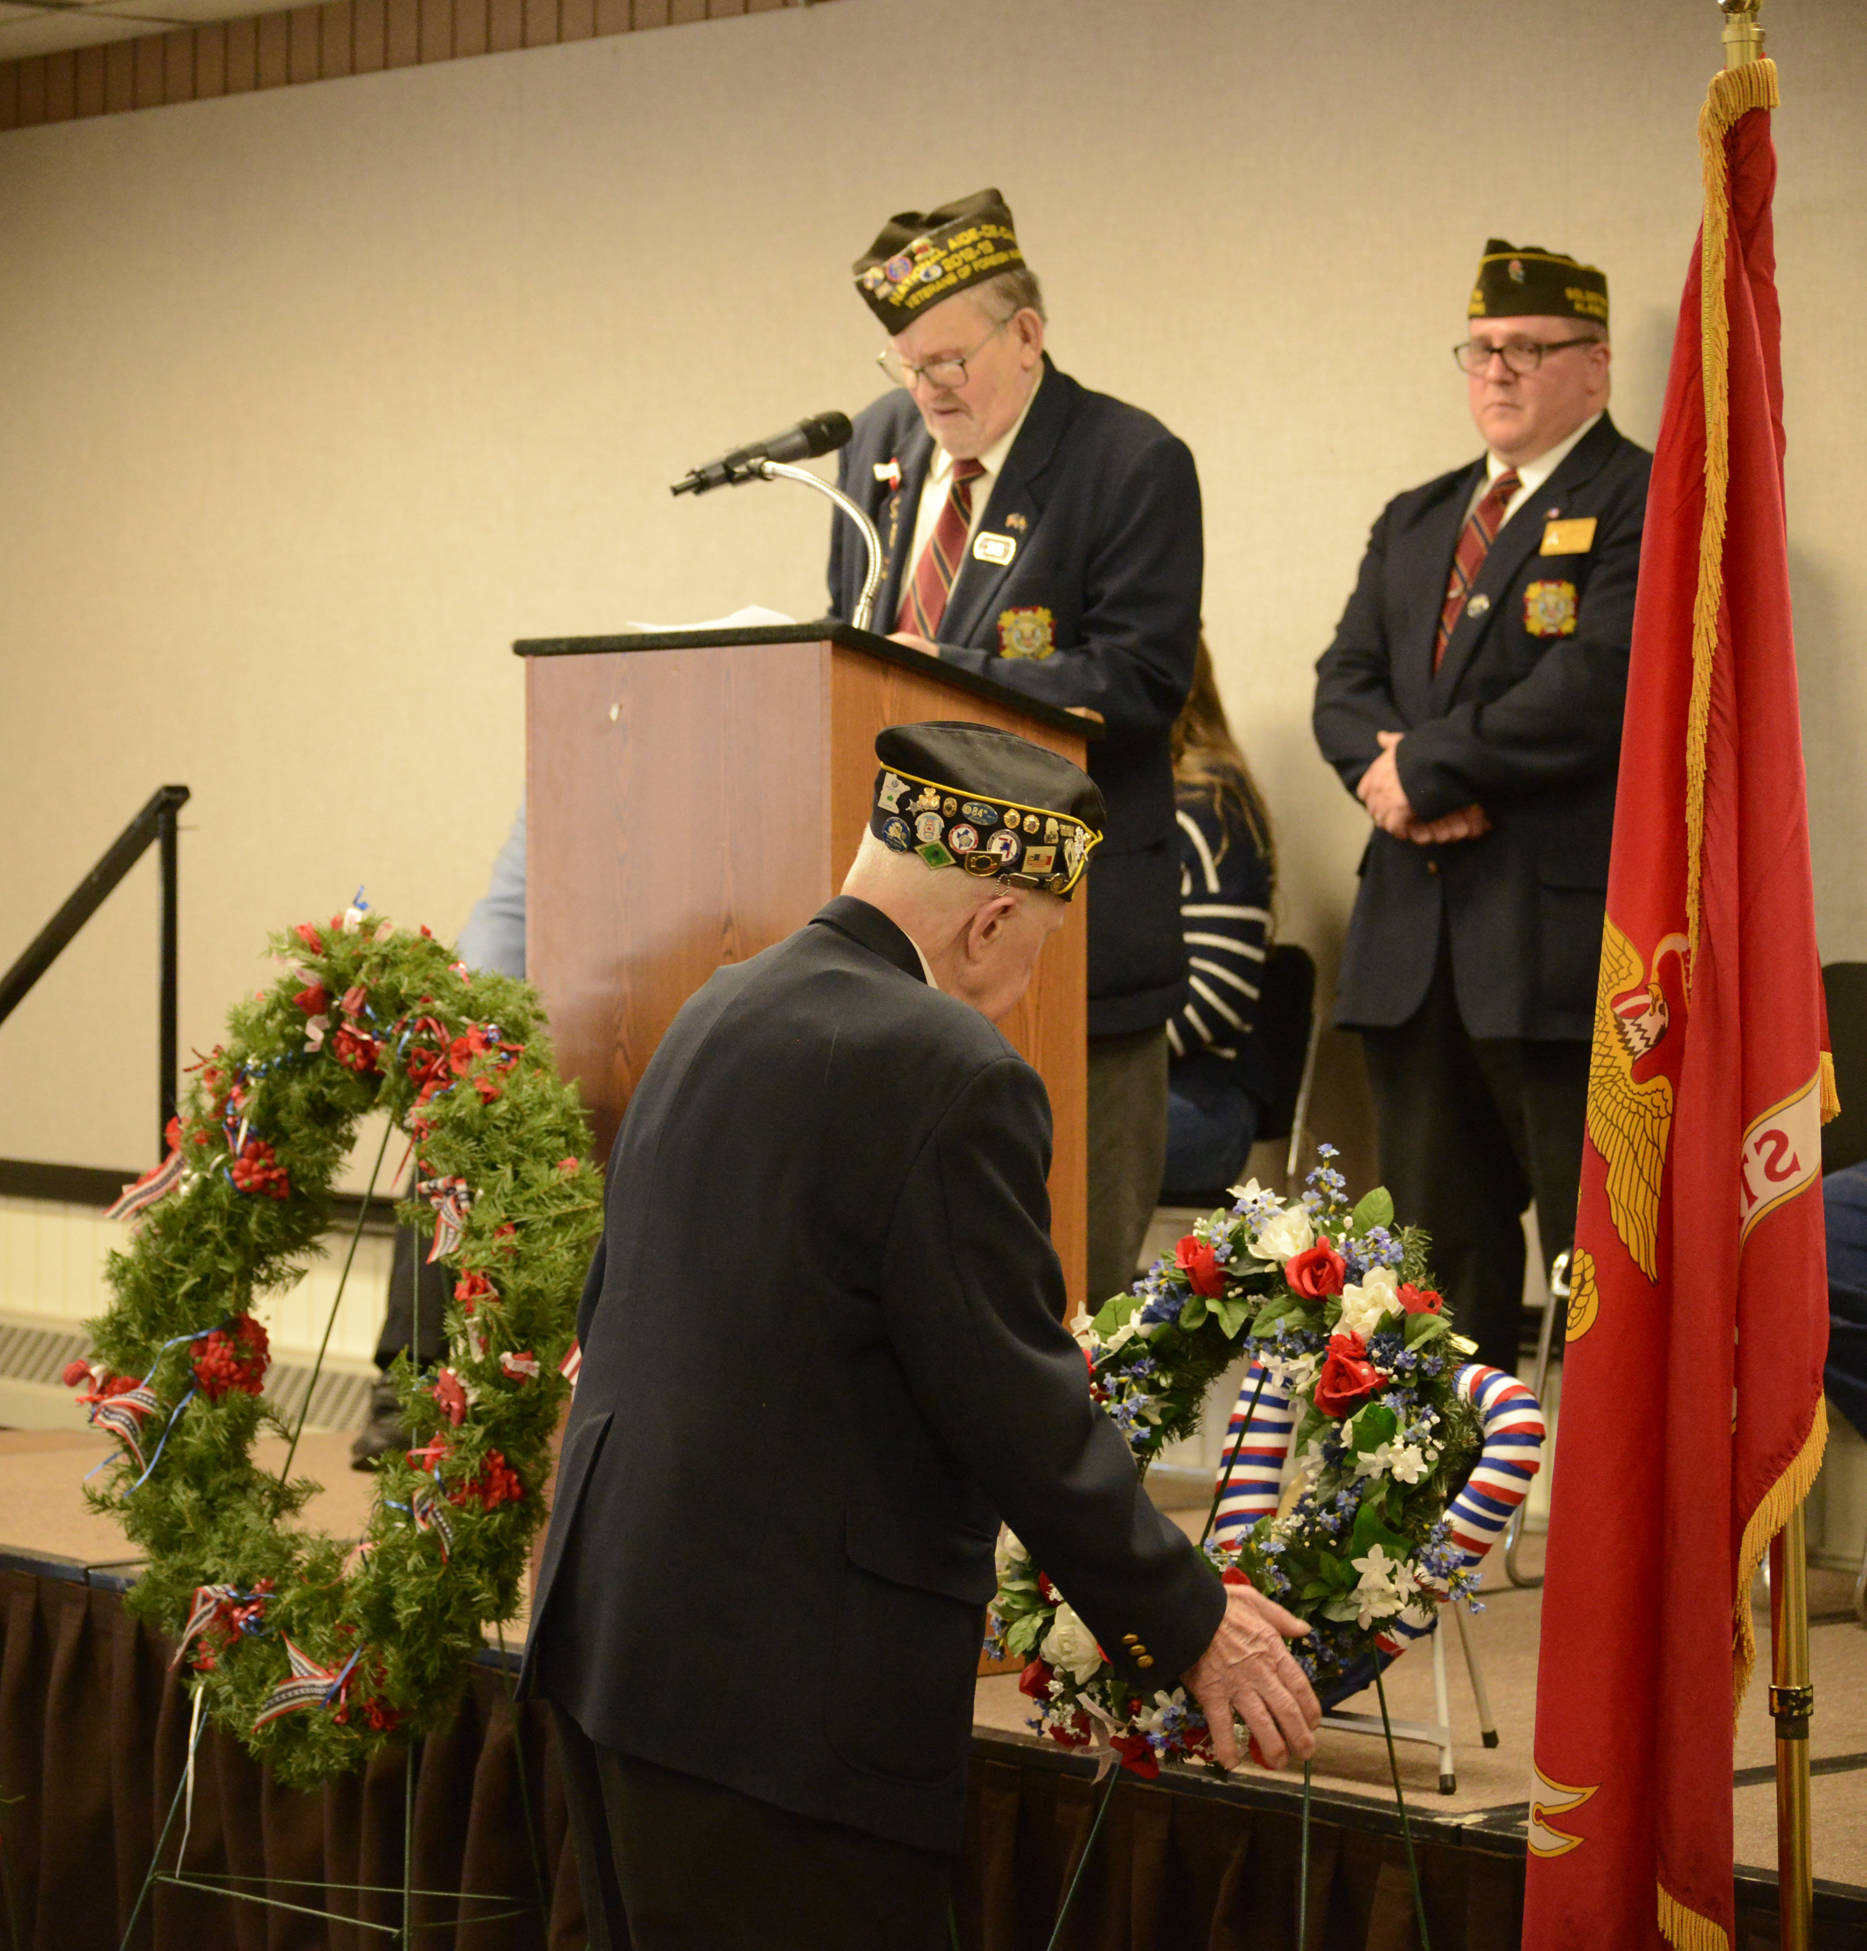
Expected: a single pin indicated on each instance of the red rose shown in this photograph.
(1420, 1300)
(310, 937)
(172, 1134)
(1073, 1733)
(314, 999)
(450, 1396)
(1347, 1376)
(1034, 1681)
(1235, 1575)
(1136, 1756)
(1316, 1272)
(1201, 1267)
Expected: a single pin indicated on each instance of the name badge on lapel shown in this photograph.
(987, 547)
(1573, 537)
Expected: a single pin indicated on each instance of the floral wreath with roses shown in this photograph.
(317, 1652)
(1335, 1307)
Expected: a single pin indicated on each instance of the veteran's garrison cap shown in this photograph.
(988, 802)
(923, 256)
(1526, 281)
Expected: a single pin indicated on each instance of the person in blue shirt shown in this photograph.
(1219, 1077)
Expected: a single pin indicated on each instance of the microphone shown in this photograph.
(821, 433)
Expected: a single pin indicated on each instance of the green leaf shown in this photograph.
(1232, 1314)
(1022, 1638)
(1113, 1313)
(1313, 1421)
(1193, 1312)
(1274, 1311)
(1374, 1426)
(1423, 1327)
(1376, 1208)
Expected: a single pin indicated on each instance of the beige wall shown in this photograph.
(315, 399)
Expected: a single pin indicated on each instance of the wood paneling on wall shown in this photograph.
(318, 43)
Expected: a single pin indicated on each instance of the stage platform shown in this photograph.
(1192, 1861)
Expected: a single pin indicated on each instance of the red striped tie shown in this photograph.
(1475, 539)
(925, 603)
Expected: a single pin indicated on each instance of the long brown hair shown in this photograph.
(1208, 762)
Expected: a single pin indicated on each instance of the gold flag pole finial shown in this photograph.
(1743, 38)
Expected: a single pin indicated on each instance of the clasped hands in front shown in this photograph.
(1247, 1671)
(1381, 792)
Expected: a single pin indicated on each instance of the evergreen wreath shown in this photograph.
(1336, 1310)
(314, 1651)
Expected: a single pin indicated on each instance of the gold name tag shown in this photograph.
(1575, 537)
(994, 548)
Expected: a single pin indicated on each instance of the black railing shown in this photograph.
(155, 824)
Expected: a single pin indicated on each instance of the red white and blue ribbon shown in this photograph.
(123, 1416)
(450, 1199)
(1512, 1453)
(211, 1602)
(572, 1364)
(309, 1685)
(429, 1511)
(150, 1187)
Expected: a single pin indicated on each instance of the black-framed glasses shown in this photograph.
(1519, 357)
(945, 375)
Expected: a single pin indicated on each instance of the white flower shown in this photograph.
(1149, 1719)
(1010, 1557)
(1409, 1463)
(1070, 1647)
(1364, 1305)
(1386, 1585)
(1283, 1235)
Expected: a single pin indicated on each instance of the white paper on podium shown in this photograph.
(753, 617)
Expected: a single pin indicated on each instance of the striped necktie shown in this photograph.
(925, 602)
(1475, 539)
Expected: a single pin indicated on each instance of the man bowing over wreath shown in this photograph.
(822, 1361)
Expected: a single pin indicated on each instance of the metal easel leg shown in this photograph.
(1468, 1643)
(1442, 1709)
(1556, 1305)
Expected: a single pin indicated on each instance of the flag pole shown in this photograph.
(1792, 1698)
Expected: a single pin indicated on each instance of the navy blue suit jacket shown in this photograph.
(1523, 717)
(1100, 504)
(821, 1360)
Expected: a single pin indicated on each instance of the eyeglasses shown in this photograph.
(1519, 357)
(944, 375)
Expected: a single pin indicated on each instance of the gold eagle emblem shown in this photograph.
(1630, 1120)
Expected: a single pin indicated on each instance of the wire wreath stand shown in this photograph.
(1114, 1772)
(240, 1889)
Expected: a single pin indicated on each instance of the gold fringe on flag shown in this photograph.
(1734, 92)
(1771, 1514)
(1831, 1092)
(1688, 1929)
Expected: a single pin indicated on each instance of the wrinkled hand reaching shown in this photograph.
(1381, 792)
(1248, 1670)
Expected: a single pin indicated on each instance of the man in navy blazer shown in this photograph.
(822, 1359)
(1074, 577)
(1472, 702)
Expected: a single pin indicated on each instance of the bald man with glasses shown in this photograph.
(1472, 701)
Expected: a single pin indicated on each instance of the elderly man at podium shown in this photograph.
(1048, 537)
(822, 1360)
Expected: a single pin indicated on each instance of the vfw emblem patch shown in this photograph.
(1028, 632)
(1549, 609)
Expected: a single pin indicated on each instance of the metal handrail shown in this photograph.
(154, 825)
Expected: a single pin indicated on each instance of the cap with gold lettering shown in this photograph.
(1526, 281)
(923, 256)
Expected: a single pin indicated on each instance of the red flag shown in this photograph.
(1691, 1418)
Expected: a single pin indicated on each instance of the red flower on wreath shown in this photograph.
(310, 937)
(1034, 1681)
(472, 1288)
(1316, 1272)
(1420, 1300)
(1136, 1756)
(497, 1483)
(1073, 1733)
(1347, 1376)
(355, 1049)
(257, 1169)
(1196, 1259)
(314, 999)
(451, 1395)
(233, 1357)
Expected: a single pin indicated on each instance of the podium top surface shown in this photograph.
(822, 630)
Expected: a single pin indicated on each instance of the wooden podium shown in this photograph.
(692, 797)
